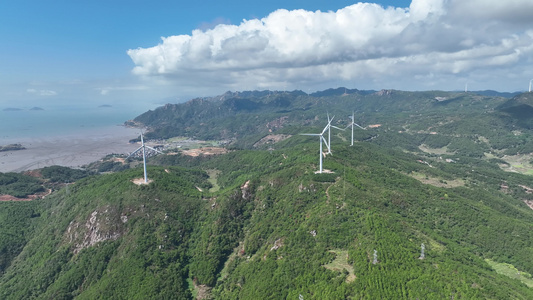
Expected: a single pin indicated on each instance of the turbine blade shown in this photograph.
(138, 149)
(325, 128)
(311, 134)
(154, 149)
(337, 127)
(324, 140)
(359, 126)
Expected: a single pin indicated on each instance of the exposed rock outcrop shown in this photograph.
(101, 225)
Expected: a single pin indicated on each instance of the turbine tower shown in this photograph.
(352, 124)
(530, 85)
(322, 140)
(143, 148)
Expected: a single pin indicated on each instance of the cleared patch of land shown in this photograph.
(213, 176)
(434, 246)
(272, 139)
(517, 163)
(511, 272)
(140, 181)
(205, 151)
(439, 182)
(340, 263)
(27, 198)
(187, 143)
(199, 292)
(438, 151)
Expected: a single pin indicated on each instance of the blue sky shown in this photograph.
(113, 51)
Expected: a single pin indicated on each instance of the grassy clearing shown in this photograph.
(511, 272)
(425, 179)
(438, 151)
(213, 175)
(340, 263)
(434, 246)
(518, 163)
(225, 272)
(187, 143)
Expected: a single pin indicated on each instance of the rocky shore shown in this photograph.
(11, 147)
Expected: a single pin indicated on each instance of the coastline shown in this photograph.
(69, 150)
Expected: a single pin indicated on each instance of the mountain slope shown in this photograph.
(414, 211)
(277, 230)
(98, 241)
(432, 118)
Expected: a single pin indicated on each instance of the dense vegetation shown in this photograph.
(19, 185)
(16, 225)
(260, 224)
(59, 174)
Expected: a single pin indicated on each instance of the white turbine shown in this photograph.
(322, 140)
(352, 124)
(530, 85)
(329, 133)
(142, 147)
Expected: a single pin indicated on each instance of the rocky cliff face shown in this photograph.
(104, 223)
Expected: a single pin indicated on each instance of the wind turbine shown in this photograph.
(352, 124)
(143, 148)
(329, 132)
(530, 85)
(322, 140)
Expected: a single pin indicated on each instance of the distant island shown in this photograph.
(12, 147)
(105, 105)
(36, 108)
(12, 109)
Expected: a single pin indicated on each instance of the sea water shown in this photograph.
(63, 120)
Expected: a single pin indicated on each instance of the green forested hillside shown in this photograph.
(18, 185)
(466, 123)
(416, 209)
(276, 230)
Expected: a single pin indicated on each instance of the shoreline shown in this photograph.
(69, 150)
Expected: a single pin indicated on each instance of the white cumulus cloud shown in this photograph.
(433, 41)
